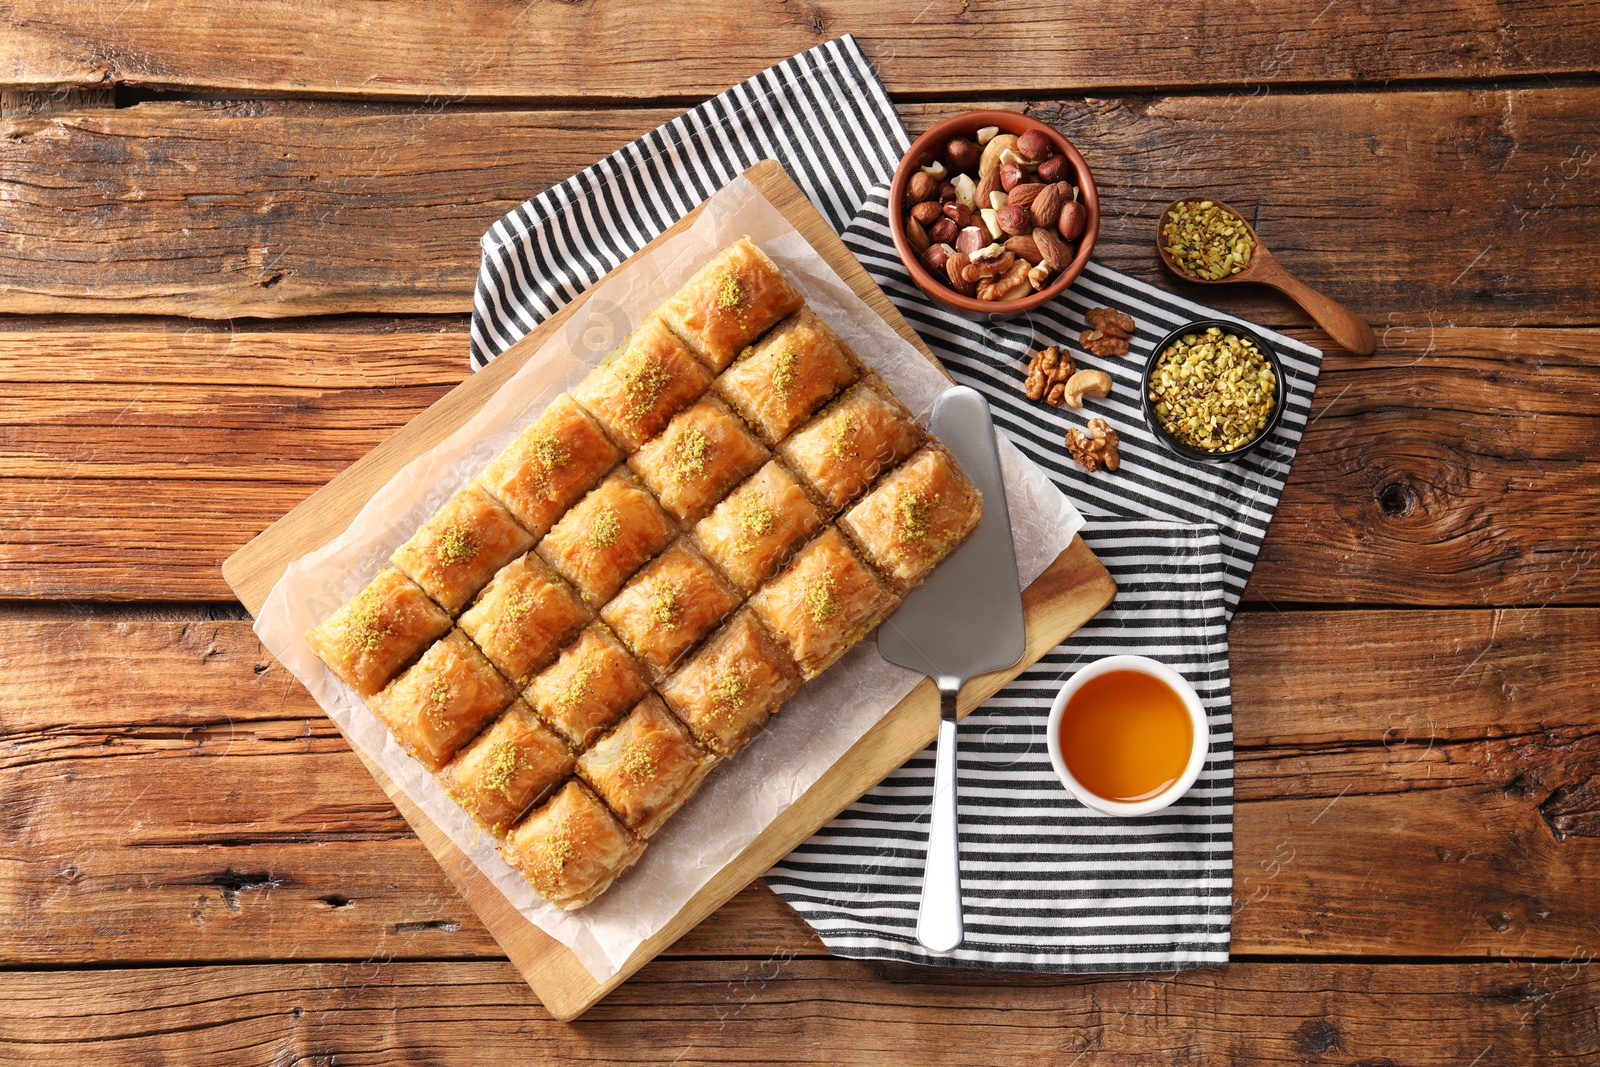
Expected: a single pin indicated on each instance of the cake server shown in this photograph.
(966, 619)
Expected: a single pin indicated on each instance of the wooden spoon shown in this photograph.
(1340, 322)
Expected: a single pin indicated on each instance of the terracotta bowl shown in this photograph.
(930, 146)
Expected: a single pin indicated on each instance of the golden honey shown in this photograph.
(1126, 735)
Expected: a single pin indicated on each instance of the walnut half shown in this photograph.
(1108, 333)
(1048, 373)
(1097, 448)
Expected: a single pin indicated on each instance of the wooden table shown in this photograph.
(237, 249)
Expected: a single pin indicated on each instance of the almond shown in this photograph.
(988, 185)
(1053, 251)
(1047, 205)
(955, 269)
(917, 236)
(1023, 195)
(928, 212)
(1025, 247)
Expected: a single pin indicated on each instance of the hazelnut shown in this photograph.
(958, 213)
(1074, 217)
(1054, 169)
(1010, 176)
(971, 239)
(928, 212)
(1034, 145)
(921, 187)
(947, 192)
(943, 231)
(962, 154)
(935, 258)
(1015, 219)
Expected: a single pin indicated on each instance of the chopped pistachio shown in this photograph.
(1213, 391)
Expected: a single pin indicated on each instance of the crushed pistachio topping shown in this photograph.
(547, 454)
(439, 691)
(823, 599)
(518, 605)
(558, 850)
(841, 438)
(785, 368)
(1206, 240)
(755, 520)
(911, 516)
(502, 767)
(1213, 391)
(581, 687)
(728, 694)
(605, 527)
(637, 761)
(367, 627)
(666, 602)
(688, 454)
(644, 381)
(731, 293)
(456, 545)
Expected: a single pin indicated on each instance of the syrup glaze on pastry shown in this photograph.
(669, 606)
(524, 617)
(705, 451)
(610, 534)
(642, 385)
(550, 465)
(852, 441)
(456, 552)
(727, 690)
(823, 603)
(381, 629)
(593, 683)
(752, 532)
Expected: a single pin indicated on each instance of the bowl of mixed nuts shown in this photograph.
(1212, 390)
(993, 214)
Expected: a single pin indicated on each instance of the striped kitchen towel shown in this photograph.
(1047, 885)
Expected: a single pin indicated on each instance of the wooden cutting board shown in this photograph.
(1063, 598)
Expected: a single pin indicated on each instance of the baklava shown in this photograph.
(572, 848)
(646, 767)
(758, 526)
(823, 603)
(916, 516)
(791, 372)
(730, 302)
(590, 687)
(705, 451)
(510, 767)
(443, 700)
(550, 465)
(669, 606)
(524, 617)
(456, 552)
(649, 379)
(727, 690)
(851, 442)
(382, 628)
(612, 532)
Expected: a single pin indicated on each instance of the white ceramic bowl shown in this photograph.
(1197, 717)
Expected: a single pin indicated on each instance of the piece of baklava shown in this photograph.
(752, 532)
(443, 700)
(669, 606)
(646, 767)
(789, 374)
(649, 379)
(727, 689)
(572, 848)
(382, 628)
(704, 451)
(824, 602)
(524, 617)
(507, 769)
(588, 688)
(851, 441)
(915, 516)
(612, 532)
(730, 302)
(550, 465)
(455, 553)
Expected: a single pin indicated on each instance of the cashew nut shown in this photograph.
(1085, 383)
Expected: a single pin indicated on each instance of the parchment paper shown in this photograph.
(743, 795)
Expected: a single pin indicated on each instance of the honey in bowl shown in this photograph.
(1126, 736)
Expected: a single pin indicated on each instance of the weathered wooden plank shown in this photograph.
(1455, 468)
(176, 780)
(812, 1011)
(222, 210)
(487, 50)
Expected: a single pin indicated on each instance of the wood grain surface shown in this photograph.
(1414, 673)
(294, 209)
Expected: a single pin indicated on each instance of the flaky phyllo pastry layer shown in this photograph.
(624, 596)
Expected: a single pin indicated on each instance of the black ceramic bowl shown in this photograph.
(1187, 451)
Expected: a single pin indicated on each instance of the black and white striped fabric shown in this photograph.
(1047, 884)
